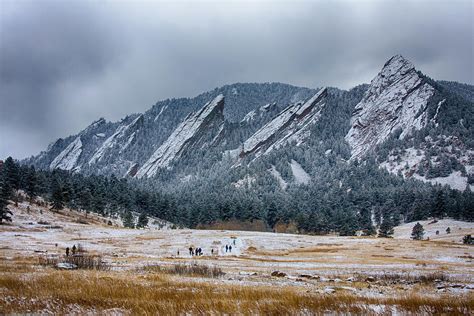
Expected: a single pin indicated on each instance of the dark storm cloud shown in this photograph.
(64, 64)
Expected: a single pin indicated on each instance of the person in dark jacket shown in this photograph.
(230, 248)
(67, 251)
(191, 251)
(74, 250)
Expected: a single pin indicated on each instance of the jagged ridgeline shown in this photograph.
(319, 159)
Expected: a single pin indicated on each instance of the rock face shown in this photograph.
(67, 159)
(121, 148)
(194, 138)
(396, 99)
(123, 136)
(187, 135)
(291, 124)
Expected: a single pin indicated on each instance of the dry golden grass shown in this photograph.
(148, 237)
(189, 269)
(319, 249)
(154, 293)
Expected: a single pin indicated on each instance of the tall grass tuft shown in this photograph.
(190, 269)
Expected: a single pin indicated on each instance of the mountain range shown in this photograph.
(414, 127)
(398, 149)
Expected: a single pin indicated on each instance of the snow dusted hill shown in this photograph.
(405, 114)
(67, 159)
(188, 134)
(292, 124)
(396, 99)
(122, 148)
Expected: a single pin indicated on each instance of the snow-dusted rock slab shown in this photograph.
(66, 266)
(67, 159)
(183, 136)
(123, 136)
(290, 124)
(397, 98)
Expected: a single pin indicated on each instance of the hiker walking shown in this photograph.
(178, 252)
(74, 250)
(226, 248)
(230, 248)
(190, 251)
(67, 251)
(234, 242)
(212, 251)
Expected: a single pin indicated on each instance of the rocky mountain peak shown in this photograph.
(396, 99)
(189, 134)
(291, 124)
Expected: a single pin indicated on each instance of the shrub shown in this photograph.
(192, 269)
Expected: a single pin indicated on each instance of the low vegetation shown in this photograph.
(160, 293)
(427, 278)
(190, 269)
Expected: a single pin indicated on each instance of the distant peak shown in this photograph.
(218, 99)
(95, 124)
(397, 63)
(217, 102)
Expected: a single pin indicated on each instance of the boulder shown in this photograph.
(66, 266)
(278, 274)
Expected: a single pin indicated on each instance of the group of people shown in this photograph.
(74, 250)
(195, 252)
(198, 251)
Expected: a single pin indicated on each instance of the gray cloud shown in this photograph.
(66, 63)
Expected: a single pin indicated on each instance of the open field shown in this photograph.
(317, 274)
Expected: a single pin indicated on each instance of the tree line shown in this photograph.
(363, 199)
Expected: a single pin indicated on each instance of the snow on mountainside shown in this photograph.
(291, 124)
(410, 161)
(261, 111)
(121, 138)
(184, 136)
(67, 159)
(396, 99)
(415, 126)
(300, 175)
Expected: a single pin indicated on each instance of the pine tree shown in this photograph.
(417, 232)
(57, 196)
(31, 183)
(386, 228)
(439, 208)
(11, 177)
(85, 198)
(5, 194)
(11, 173)
(127, 219)
(142, 220)
(271, 216)
(365, 222)
(467, 240)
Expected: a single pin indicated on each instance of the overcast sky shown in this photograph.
(64, 64)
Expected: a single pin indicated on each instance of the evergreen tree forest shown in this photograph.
(314, 208)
